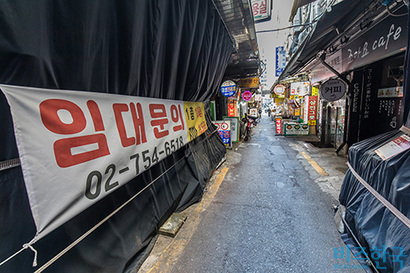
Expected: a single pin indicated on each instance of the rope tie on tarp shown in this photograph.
(403, 218)
(24, 247)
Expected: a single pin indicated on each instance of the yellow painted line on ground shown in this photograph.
(173, 251)
(213, 189)
(316, 166)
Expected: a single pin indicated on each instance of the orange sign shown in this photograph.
(232, 108)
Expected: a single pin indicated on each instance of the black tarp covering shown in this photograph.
(371, 222)
(406, 83)
(154, 48)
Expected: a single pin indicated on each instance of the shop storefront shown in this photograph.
(373, 65)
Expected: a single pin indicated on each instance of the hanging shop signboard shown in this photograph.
(249, 83)
(280, 60)
(384, 39)
(299, 88)
(228, 88)
(224, 130)
(279, 89)
(315, 90)
(321, 73)
(232, 108)
(310, 107)
(261, 10)
(77, 147)
(333, 90)
(247, 95)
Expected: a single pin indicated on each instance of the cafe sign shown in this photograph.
(384, 39)
(333, 90)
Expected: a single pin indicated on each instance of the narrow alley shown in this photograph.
(273, 212)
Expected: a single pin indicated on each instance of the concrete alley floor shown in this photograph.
(268, 208)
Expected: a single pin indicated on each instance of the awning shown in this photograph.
(296, 5)
(238, 19)
(324, 33)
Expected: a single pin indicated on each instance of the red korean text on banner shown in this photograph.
(64, 148)
(135, 113)
(91, 144)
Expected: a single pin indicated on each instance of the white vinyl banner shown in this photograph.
(77, 147)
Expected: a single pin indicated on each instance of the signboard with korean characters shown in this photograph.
(247, 96)
(333, 90)
(299, 88)
(280, 63)
(228, 88)
(279, 90)
(261, 10)
(310, 110)
(278, 126)
(224, 130)
(249, 83)
(386, 38)
(232, 108)
(76, 147)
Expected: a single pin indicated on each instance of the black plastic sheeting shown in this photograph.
(406, 76)
(154, 48)
(371, 222)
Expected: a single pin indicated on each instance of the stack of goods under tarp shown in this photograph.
(376, 195)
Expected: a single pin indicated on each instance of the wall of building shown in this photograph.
(268, 41)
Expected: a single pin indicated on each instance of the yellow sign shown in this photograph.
(312, 122)
(297, 112)
(315, 90)
(195, 118)
(249, 83)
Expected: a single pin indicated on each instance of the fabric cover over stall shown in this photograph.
(376, 225)
(159, 49)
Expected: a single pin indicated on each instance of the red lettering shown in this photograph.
(138, 120)
(159, 116)
(119, 108)
(95, 115)
(176, 115)
(51, 120)
(198, 112)
(65, 157)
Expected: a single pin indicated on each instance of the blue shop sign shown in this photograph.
(228, 88)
